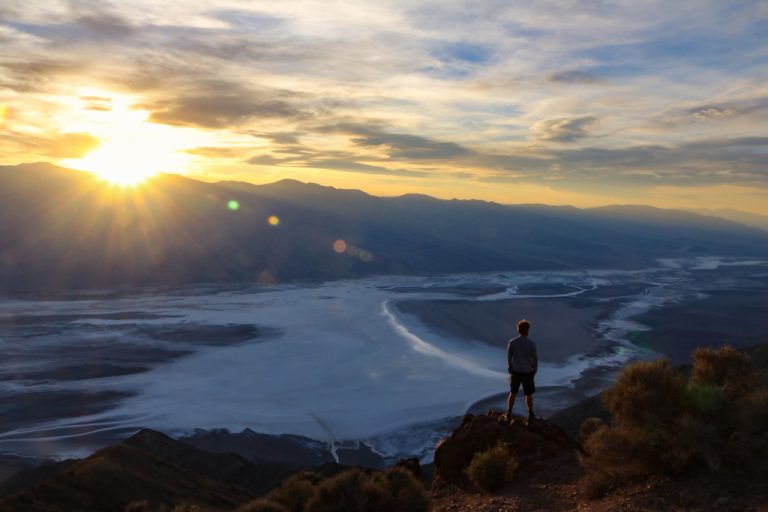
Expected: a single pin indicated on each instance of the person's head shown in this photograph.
(523, 326)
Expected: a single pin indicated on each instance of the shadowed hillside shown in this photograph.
(64, 230)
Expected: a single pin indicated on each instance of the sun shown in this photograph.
(131, 149)
(129, 162)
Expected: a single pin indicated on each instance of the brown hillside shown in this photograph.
(117, 475)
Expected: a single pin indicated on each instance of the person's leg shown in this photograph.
(510, 404)
(529, 388)
(514, 387)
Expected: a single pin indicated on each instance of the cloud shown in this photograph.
(399, 146)
(100, 24)
(345, 164)
(268, 160)
(83, 22)
(249, 20)
(35, 74)
(57, 145)
(574, 77)
(412, 147)
(69, 145)
(217, 151)
(708, 161)
(564, 129)
(357, 167)
(718, 110)
(282, 138)
(97, 103)
(219, 104)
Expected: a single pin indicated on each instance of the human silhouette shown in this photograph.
(522, 365)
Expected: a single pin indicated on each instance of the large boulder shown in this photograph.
(530, 443)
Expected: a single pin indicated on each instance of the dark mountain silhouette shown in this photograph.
(62, 230)
(147, 466)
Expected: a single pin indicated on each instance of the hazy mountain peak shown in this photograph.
(287, 230)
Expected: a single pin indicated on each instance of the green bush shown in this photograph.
(491, 469)
(725, 368)
(396, 489)
(706, 399)
(589, 427)
(350, 491)
(296, 491)
(344, 492)
(665, 422)
(648, 393)
(262, 505)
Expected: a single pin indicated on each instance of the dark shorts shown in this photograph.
(526, 379)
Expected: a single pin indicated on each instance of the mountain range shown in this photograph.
(64, 230)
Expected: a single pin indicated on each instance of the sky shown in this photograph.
(586, 102)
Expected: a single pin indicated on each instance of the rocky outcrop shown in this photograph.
(532, 444)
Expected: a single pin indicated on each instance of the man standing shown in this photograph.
(522, 364)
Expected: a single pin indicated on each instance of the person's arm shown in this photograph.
(509, 357)
(535, 359)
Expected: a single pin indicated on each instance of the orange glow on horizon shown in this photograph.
(131, 149)
(4, 114)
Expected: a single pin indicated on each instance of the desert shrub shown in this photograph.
(697, 443)
(664, 422)
(350, 491)
(344, 492)
(138, 506)
(753, 414)
(262, 505)
(752, 438)
(725, 368)
(628, 451)
(646, 394)
(589, 427)
(296, 491)
(705, 398)
(396, 489)
(491, 469)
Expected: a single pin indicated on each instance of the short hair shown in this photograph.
(523, 326)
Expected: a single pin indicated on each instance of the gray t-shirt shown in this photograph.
(522, 356)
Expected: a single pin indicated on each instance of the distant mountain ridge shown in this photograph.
(742, 217)
(64, 230)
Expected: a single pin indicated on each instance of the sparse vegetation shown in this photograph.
(667, 422)
(396, 489)
(491, 469)
(296, 491)
(350, 491)
(262, 505)
(144, 506)
(138, 506)
(344, 492)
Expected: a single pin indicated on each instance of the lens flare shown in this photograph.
(273, 220)
(340, 246)
(267, 278)
(233, 205)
